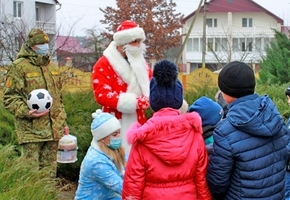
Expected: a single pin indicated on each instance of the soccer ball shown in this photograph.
(39, 99)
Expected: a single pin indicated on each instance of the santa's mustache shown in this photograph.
(135, 51)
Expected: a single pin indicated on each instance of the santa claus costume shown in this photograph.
(121, 85)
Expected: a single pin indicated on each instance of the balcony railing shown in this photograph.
(48, 27)
(234, 31)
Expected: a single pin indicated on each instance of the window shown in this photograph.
(243, 46)
(192, 44)
(250, 22)
(222, 44)
(37, 13)
(258, 45)
(211, 22)
(247, 22)
(248, 47)
(212, 45)
(189, 45)
(17, 9)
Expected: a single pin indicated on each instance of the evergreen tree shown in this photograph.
(157, 17)
(275, 66)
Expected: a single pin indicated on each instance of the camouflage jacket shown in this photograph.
(28, 72)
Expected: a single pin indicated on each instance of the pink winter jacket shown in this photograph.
(168, 159)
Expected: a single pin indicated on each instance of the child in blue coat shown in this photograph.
(249, 150)
(211, 113)
(287, 186)
(102, 170)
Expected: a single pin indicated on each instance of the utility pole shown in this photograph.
(204, 35)
(188, 33)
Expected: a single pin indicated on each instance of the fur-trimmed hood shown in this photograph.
(167, 134)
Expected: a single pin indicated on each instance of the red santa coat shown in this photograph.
(117, 85)
(168, 159)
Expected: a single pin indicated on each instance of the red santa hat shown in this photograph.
(127, 32)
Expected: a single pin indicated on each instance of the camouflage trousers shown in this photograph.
(41, 155)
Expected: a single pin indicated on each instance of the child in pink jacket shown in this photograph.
(168, 159)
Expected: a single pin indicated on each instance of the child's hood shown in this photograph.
(255, 115)
(167, 134)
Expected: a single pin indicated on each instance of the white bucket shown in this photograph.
(67, 149)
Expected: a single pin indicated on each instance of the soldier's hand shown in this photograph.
(66, 130)
(34, 114)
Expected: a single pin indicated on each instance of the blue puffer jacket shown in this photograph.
(249, 158)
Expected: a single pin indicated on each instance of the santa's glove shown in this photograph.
(143, 102)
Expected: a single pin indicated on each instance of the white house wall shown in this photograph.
(229, 30)
(48, 14)
(27, 21)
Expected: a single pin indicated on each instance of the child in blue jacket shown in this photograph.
(249, 150)
(211, 113)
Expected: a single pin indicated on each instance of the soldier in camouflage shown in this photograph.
(38, 133)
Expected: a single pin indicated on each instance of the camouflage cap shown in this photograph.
(36, 36)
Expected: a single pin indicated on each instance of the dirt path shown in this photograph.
(67, 188)
(65, 196)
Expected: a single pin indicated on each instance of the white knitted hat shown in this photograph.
(103, 124)
(127, 32)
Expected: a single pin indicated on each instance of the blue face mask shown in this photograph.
(43, 49)
(115, 143)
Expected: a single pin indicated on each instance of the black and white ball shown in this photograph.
(39, 99)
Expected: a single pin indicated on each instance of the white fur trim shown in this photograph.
(126, 121)
(129, 35)
(107, 128)
(184, 107)
(95, 144)
(119, 64)
(136, 84)
(127, 103)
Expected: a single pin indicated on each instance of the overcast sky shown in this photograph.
(85, 14)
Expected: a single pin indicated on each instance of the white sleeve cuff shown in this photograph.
(127, 103)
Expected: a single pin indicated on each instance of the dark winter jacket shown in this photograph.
(249, 158)
(208, 138)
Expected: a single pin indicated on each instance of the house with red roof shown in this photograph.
(70, 44)
(70, 52)
(227, 30)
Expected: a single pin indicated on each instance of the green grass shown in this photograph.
(19, 181)
(7, 135)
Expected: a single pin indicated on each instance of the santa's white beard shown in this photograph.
(134, 51)
(135, 56)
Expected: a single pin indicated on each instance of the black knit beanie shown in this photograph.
(237, 79)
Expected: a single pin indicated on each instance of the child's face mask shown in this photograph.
(115, 143)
